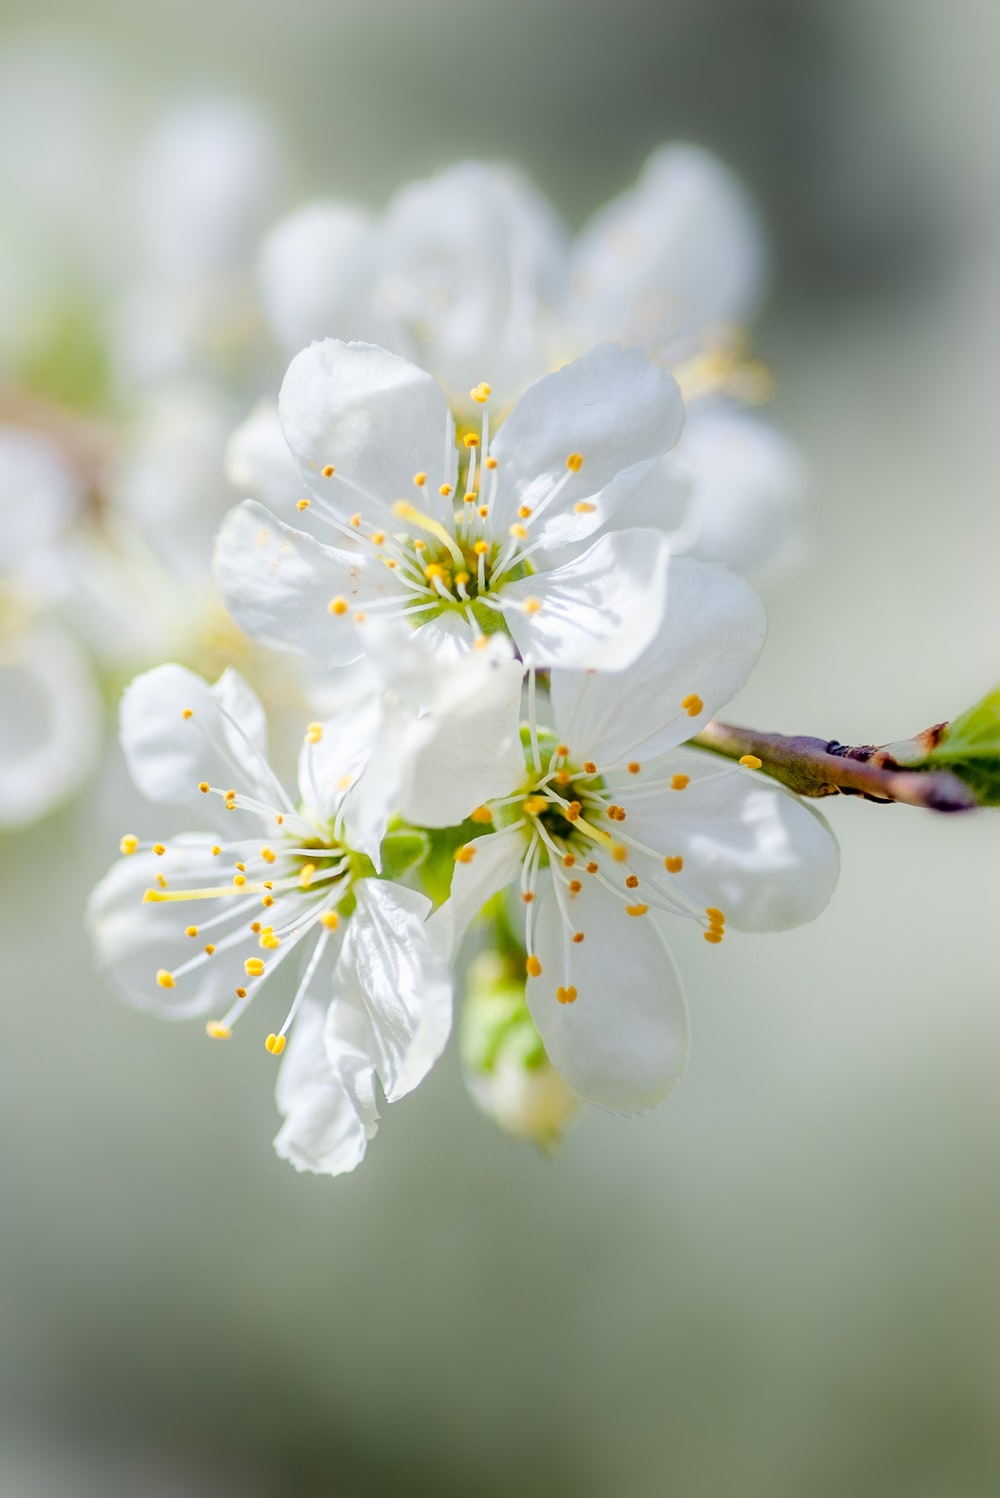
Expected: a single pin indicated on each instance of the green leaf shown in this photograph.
(970, 747)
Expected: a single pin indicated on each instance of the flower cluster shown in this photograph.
(492, 556)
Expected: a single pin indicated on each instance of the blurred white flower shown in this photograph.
(276, 875)
(501, 533)
(616, 827)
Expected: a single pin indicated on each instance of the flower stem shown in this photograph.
(824, 767)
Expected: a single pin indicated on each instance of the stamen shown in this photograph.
(692, 705)
(128, 844)
(750, 761)
(405, 511)
(275, 1044)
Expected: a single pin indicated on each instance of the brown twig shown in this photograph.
(824, 767)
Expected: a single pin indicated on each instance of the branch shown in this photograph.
(824, 767)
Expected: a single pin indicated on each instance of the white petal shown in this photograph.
(623, 1041)
(389, 965)
(750, 848)
(495, 863)
(709, 637)
(38, 494)
(448, 636)
(133, 940)
(597, 612)
(475, 262)
(279, 584)
(377, 420)
(317, 278)
(613, 408)
(672, 259)
(177, 731)
(50, 721)
(259, 465)
(328, 1107)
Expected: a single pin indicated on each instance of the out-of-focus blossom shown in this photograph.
(500, 533)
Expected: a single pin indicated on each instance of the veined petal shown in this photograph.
(317, 273)
(328, 1105)
(582, 427)
(406, 990)
(134, 941)
(708, 639)
(671, 260)
(377, 421)
(495, 862)
(750, 847)
(475, 263)
(290, 591)
(597, 612)
(177, 732)
(50, 721)
(610, 1009)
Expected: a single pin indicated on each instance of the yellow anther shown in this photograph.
(714, 915)
(209, 949)
(270, 942)
(461, 578)
(484, 511)
(433, 570)
(256, 927)
(360, 617)
(535, 804)
(575, 886)
(242, 867)
(187, 712)
(693, 705)
(306, 875)
(481, 393)
(329, 471)
(128, 844)
(302, 504)
(569, 859)
(275, 1044)
(481, 548)
(239, 880)
(338, 605)
(562, 750)
(634, 767)
(241, 993)
(267, 901)
(524, 511)
(574, 462)
(161, 881)
(377, 537)
(471, 440)
(471, 497)
(527, 896)
(589, 767)
(584, 507)
(204, 787)
(191, 931)
(491, 463)
(673, 863)
(314, 733)
(750, 761)
(566, 995)
(680, 782)
(268, 855)
(420, 479)
(578, 936)
(216, 850)
(533, 967)
(164, 979)
(591, 867)
(330, 919)
(481, 814)
(518, 532)
(636, 909)
(632, 882)
(253, 967)
(445, 491)
(713, 936)
(159, 849)
(532, 606)
(573, 810)
(563, 777)
(216, 1031)
(465, 854)
(355, 519)
(618, 853)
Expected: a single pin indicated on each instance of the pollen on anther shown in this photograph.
(471, 440)
(632, 882)
(314, 733)
(209, 949)
(255, 927)
(636, 909)
(159, 849)
(164, 979)
(187, 712)
(330, 919)
(713, 936)
(569, 859)
(566, 995)
(355, 519)
(750, 761)
(618, 853)
(275, 1044)
(268, 855)
(533, 967)
(491, 463)
(591, 867)
(215, 1031)
(484, 511)
(578, 936)
(191, 931)
(518, 532)
(128, 844)
(445, 490)
(679, 782)
(302, 504)
(573, 811)
(329, 471)
(216, 850)
(692, 705)
(253, 967)
(575, 886)
(267, 901)
(204, 787)
(481, 548)
(465, 854)
(524, 512)
(589, 767)
(527, 896)
(239, 880)
(481, 814)
(715, 915)
(673, 863)
(241, 993)
(634, 767)
(584, 507)
(574, 462)
(420, 479)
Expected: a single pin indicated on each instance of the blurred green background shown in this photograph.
(784, 1282)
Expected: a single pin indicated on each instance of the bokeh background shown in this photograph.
(785, 1281)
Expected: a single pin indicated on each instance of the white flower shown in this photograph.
(615, 828)
(50, 708)
(199, 923)
(459, 542)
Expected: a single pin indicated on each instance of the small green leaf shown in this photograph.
(970, 747)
